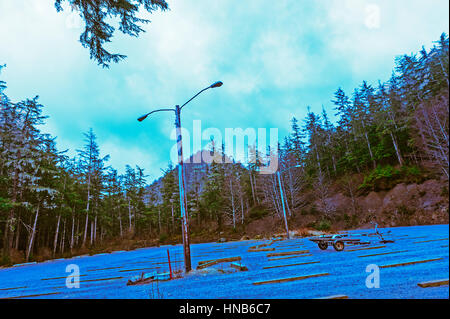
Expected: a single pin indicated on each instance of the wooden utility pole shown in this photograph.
(183, 198)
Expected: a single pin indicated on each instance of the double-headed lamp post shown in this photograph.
(181, 184)
(282, 198)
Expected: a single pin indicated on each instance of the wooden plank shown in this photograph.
(427, 241)
(100, 279)
(297, 264)
(58, 277)
(220, 259)
(166, 262)
(24, 264)
(289, 279)
(388, 253)
(287, 253)
(412, 237)
(289, 247)
(30, 296)
(12, 288)
(433, 283)
(366, 248)
(128, 270)
(98, 269)
(260, 249)
(410, 263)
(239, 266)
(289, 244)
(205, 261)
(148, 260)
(289, 257)
(259, 246)
(334, 297)
(216, 261)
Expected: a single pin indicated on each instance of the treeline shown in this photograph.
(399, 127)
(51, 201)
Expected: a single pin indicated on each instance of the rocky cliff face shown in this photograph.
(405, 204)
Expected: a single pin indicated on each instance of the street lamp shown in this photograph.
(181, 185)
(282, 199)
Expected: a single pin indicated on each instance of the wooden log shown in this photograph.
(100, 279)
(216, 261)
(239, 266)
(366, 248)
(24, 264)
(289, 246)
(427, 241)
(297, 264)
(289, 279)
(31, 296)
(166, 262)
(12, 288)
(287, 253)
(220, 259)
(289, 257)
(410, 263)
(412, 237)
(98, 269)
(433, 283)
(260, 249)
(334, 297)
(205, 261)
(60, 277)
(259, 246)
(128, 270)
(388, 253)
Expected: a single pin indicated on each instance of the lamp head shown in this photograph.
(216, 84)
(143, 117)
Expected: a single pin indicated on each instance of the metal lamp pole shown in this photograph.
(181, 183)
(282, 199)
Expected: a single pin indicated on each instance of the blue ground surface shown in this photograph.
(347, 271)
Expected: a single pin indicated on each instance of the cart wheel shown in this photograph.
(323, 245)
(338, 245)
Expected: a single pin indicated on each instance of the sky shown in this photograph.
(275, 58)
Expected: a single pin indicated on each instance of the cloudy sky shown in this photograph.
(274, 57)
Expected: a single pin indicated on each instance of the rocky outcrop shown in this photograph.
(405, 204)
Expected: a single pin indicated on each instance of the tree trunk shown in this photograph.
(242, 209)
(232, 204)
(251, 184)
(55, 242)
(71, 234)
(397, 150)
(87, 209)
(173, 219)
(18, 233)
(32, 235)
(369, 146)
(159, 220)
(63, 238)
(129, 215)
(120, 224)
(92, 233)
(9, 233)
